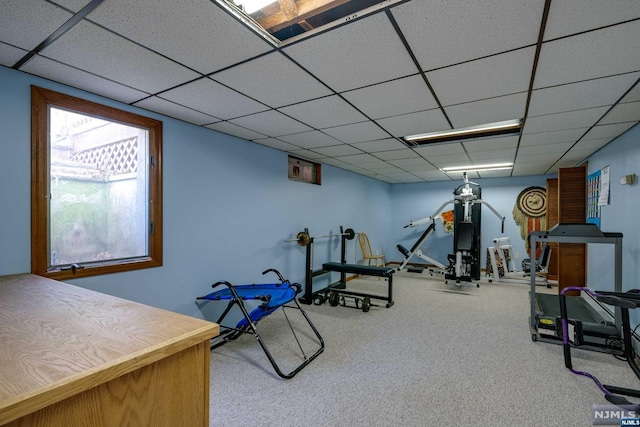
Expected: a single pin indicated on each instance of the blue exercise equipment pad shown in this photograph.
(271, 298)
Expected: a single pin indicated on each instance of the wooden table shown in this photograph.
(74, 357)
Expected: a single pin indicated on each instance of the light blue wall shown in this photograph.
(417, 201)
(620, 215)
(228, 206)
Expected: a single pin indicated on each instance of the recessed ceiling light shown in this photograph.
(507, 127)
(478, 168)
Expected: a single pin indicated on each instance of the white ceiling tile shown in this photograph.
(308, 154)
(62, 73)
(196, 33)
(442, 33)
(380, 145)
(488, 110)
(374, 165)
(414, 123)
(311, 139)
(574, 16)
(495, 174)
(590, 144)
(608, 131)
(576, 96)
(366, 51)
(402, 96)
(9, 55)
(557, 148)
(590, 55)
(405, 153)
(541, 138)
(276, 143)
(338, 150)
(91, 48)
(493, 156)
(357, 132)
(27, 23)
(538, 158)
(235, 130)
(633, 95)
(491, 144)
(324, 112)
(450, 160)
(214, 99)
(334, 162)
(440, 149)
(387, 168)
(433, 175)
(287, 82)
(529, 169)
(563, 121)
(497, 75)
(172, 109)
(628, 112)
(271, 123)
(359, 159)
(415, 161)
(401, 176)
(74, 5)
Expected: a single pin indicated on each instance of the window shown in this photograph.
(96, 188)
(304, 170)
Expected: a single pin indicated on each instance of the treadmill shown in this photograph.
(598, 327)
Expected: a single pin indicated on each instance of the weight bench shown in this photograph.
(363, 270)
(273, 296)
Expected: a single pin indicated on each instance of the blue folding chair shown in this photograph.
(273, 296)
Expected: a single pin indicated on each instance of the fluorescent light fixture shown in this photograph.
(507, 127)
(478, 168)
(251, 6)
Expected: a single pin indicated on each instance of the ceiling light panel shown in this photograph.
(402, 96)
(198, 94)
(311, 139)
(25, 24)
(466, 30)
(580, 95)
(271, 123)
(198, 34)
(407, 124)
(497, 75)
(324, 112)
(368, 51)
(567, 120)
(590, 55)
(91, 48)
(487, 110)
(573, 16)
(287, 82)
(62, 73)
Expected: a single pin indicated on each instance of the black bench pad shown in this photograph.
(364, 270)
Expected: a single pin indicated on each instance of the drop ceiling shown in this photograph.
(346, 93)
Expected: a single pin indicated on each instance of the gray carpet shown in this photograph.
(441, 356)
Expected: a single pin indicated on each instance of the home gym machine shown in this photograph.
(573, 335)
(464, 263)
(335, 292)
(500, 257)
(599, 327)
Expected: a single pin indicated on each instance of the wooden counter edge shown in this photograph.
(19, 406)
